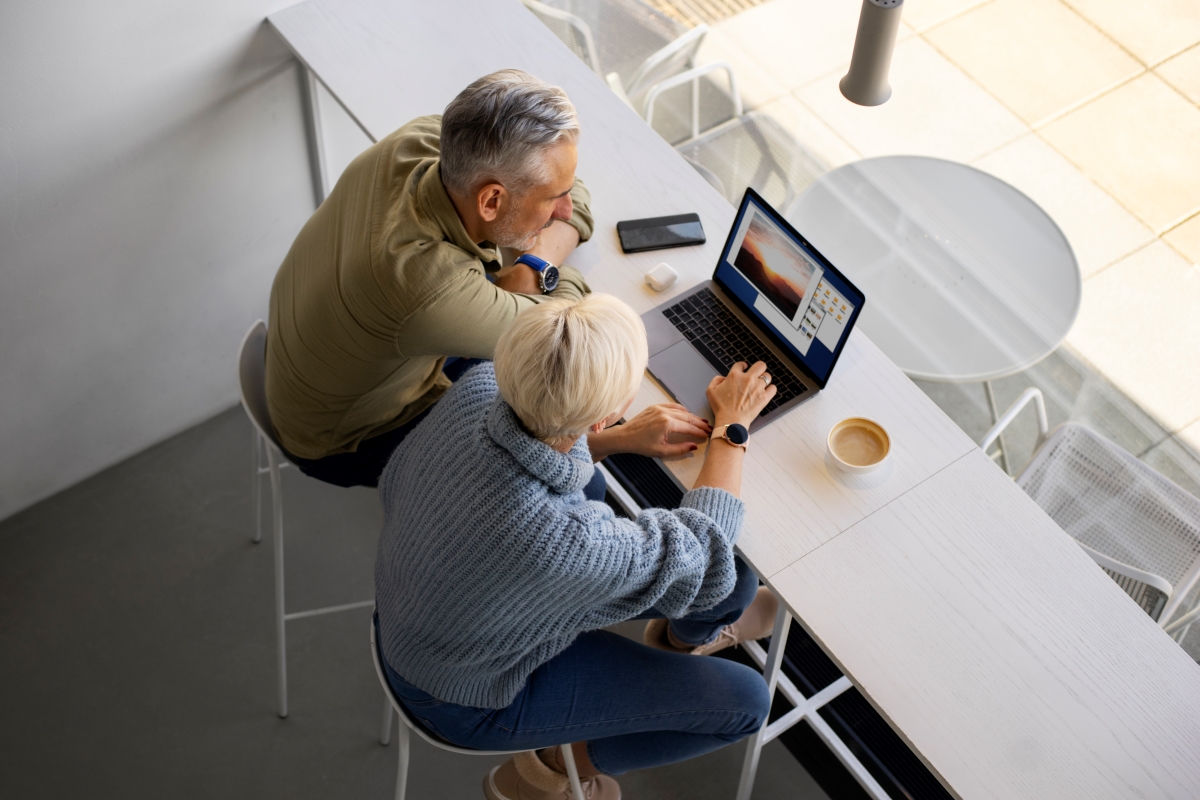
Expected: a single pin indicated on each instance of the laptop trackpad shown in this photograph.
(686, 375)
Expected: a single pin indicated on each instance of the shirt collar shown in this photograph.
(564, 473)
(440, 208)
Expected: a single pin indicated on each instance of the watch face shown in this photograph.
(737, 434)
(549, 278)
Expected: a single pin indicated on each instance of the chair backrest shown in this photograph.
(572, 30)
(1118, 506)
(252, 372)
(625, 32)
(671, 60)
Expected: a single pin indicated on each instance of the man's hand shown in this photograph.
(519, 278)
(650, 433)
(556, 243)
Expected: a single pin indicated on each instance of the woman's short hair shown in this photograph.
(565, 365)
(498, 128)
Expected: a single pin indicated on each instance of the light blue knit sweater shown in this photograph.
(491, 560)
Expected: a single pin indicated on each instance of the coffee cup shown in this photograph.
(859, 444)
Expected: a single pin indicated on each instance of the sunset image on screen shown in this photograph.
(774, 266)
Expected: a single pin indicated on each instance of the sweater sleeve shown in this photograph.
(677, 561)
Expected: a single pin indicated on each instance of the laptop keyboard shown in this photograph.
(723, 340)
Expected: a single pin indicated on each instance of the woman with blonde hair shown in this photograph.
(498, 568)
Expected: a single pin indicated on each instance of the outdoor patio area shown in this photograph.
(1088, 107)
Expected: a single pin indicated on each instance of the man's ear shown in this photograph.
(490, 198)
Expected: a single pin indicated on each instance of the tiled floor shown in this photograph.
(998, 47)
(1090, 107)
(1140, 326)
(1183, 72)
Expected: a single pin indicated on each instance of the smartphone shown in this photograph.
(658, 233)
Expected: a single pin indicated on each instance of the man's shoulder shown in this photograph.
(417, 138)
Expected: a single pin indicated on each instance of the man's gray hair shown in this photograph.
(498, 128)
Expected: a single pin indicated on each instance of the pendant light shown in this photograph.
(867, 81)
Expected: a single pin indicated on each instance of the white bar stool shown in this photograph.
(252, 381)
(392, 702)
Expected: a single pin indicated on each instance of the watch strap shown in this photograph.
(724, 435)
(533, 261)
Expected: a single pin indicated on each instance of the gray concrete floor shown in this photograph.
(137, 657)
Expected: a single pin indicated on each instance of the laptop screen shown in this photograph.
(788, 286)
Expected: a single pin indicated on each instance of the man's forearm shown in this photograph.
(556, 243)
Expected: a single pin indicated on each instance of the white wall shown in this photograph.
(153, 173)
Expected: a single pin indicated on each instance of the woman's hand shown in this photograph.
(650, 432)
(740, 396)
(737, 397)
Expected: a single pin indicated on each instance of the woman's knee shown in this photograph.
(747, 694)
(758, 700)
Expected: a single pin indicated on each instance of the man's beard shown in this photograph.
(506, 235)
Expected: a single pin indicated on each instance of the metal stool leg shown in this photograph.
(385, 736)
(568, 757)
(277, 525)
(256, 478)
(783, 621)
(402, 761)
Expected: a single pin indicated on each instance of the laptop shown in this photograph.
(773, 298)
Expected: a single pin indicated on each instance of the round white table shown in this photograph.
(966, 279)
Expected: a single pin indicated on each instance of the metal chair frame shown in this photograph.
(251, 372)
(590, 55)
(391, 703)
(693, 77)
(1174, 595)
(676, 56)
(662, 70)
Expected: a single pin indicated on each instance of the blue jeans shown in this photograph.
(635, 706)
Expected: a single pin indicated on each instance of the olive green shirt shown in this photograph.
(381, 285)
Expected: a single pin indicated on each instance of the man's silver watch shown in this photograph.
(547, 272)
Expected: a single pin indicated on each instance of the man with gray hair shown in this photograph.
(395, 285)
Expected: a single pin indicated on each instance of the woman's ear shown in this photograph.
(599, 426)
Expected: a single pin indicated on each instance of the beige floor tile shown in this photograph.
(934, 110)
(1183, 72)
(796, 41)
(1140, 141)
(1037, 70)
(1152, 30)
(818, 137)
(1099, 229)
(1138, 326)
(757, 86)
(1186, 239)
(924, 14)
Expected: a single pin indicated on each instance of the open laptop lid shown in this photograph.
(801, 300)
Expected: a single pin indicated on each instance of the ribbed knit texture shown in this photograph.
(491, 560)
